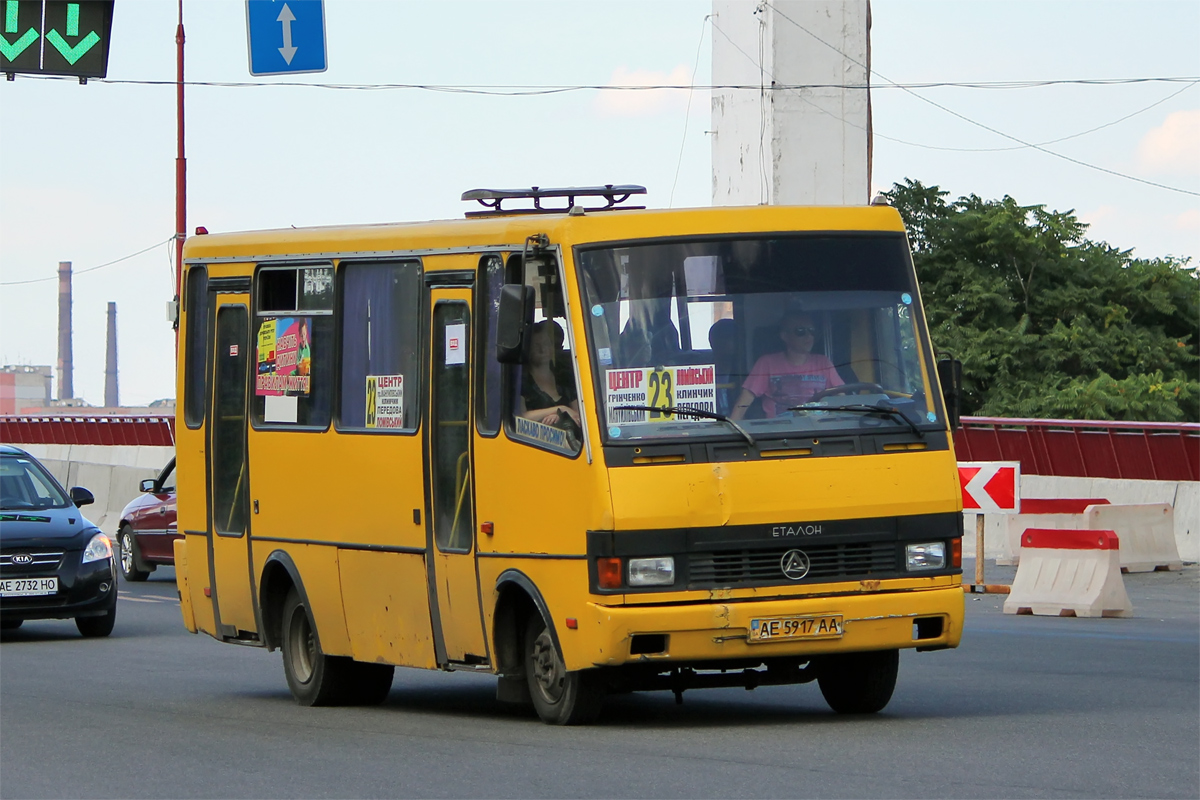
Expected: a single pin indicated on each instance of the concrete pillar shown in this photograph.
(66, 369)
(111, 395)
(798, 136)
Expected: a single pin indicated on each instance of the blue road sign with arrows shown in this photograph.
(286, 37)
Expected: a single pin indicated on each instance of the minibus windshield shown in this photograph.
(785, 335)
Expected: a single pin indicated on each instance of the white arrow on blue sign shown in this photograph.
(286, 37)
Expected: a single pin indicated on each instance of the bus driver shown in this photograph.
(791, 377)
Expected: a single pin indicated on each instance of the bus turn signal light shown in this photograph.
(956, 552)
(608, 573)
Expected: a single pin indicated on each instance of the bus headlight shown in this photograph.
(652, 571)
(931, 555)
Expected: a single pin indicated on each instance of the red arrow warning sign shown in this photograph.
(993, 486)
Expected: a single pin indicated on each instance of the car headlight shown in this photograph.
(98, 549)
(930, 555)
(652, 571)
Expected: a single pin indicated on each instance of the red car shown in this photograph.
(148, 532)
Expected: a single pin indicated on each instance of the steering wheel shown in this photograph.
(848, 388)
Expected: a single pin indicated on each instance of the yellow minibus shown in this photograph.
(584, 446)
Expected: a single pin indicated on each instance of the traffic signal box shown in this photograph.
(55, 37)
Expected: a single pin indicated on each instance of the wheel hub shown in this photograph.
(547, 668)
(127, 553)
(302, 646)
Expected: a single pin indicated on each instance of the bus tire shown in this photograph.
(369, 684)
(859, 683)
(314, 678)
(560, 697)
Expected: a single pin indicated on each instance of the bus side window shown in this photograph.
(543, 409)
(380, 342)
(487, 303)
(292, 336)
(195, 362)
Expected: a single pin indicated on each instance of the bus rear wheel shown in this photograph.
(317, 679)
(859, 683)
(559, 697)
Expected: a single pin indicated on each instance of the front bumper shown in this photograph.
(718, 631)
(84, 590)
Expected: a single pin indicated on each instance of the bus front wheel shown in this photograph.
(859, 683)
(559, 697)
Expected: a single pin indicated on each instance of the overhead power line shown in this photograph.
(76, 273)
(519, 89)
(1061, 138)
(688, 111)
(980, 124)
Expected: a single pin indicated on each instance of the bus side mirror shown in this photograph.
(513, 323)
(950, 377)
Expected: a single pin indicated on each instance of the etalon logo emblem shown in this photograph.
(22, 559)
(795, 564)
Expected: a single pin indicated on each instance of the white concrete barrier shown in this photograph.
(1182, 496)
(1057, 513)
(1146, 531)
(1069, 573)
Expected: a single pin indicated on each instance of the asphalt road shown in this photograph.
(1026, 707)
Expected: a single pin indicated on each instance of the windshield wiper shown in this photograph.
(692, 412)
(887, 411)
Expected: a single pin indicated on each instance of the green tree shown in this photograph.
(1047, 322)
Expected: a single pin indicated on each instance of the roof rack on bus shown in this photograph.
(492, 198)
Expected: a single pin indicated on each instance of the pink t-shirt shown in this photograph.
(782, 384)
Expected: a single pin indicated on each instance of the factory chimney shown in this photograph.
(66, 385)
(111, 397)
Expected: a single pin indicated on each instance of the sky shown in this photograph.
(87, 171)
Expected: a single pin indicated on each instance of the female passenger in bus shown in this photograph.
(547, 391)
(789, 378)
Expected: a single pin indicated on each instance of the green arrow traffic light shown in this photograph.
(12, 25)
(56, 37)
(72, 54)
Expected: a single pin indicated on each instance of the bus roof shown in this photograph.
(510, 231)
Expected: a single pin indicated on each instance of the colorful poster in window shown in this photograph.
(284, 357)
(385, 401)
(668, 387)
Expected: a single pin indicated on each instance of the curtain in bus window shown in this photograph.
(379, 338)
(487, 412)
(195, 364)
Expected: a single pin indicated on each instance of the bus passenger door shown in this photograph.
(229, 540)
(450, 526)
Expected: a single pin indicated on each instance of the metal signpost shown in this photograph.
(286, 37)
(55, 37)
